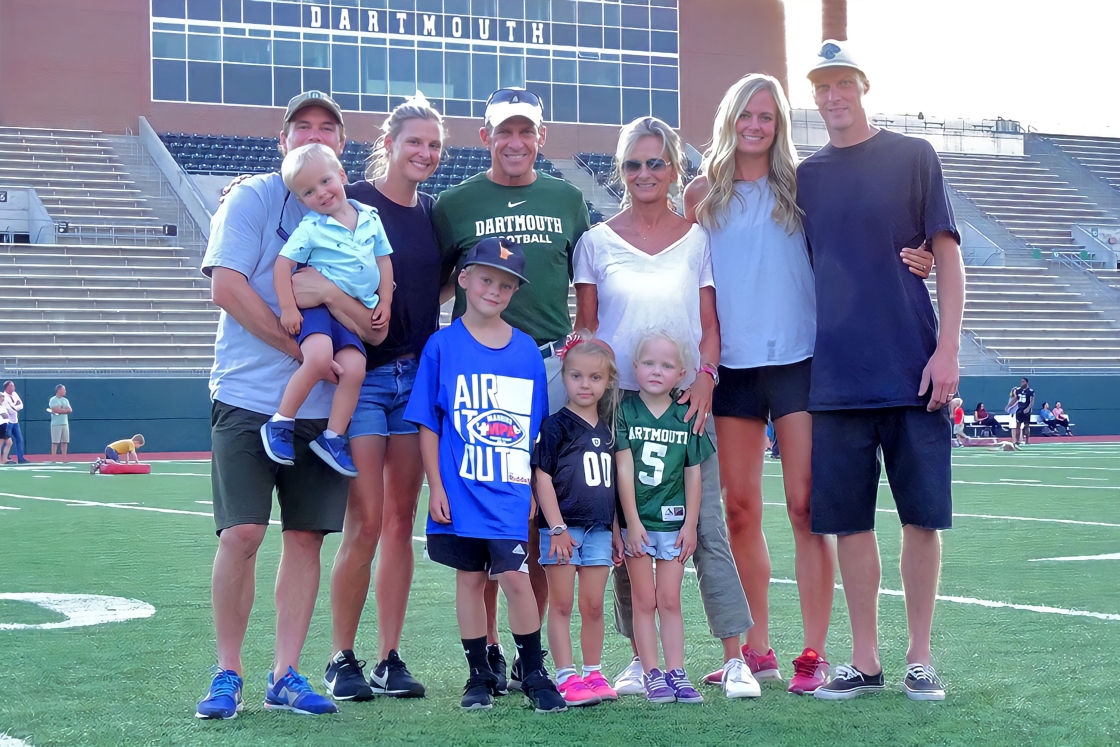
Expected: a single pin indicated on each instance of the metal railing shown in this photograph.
(190, 235)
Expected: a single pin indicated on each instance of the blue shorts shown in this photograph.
(662, 545)
(381, 403)
(592, 546)
(112, 455)
(846, 468)
(318, 321)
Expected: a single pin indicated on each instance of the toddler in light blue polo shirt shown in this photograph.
(345, 241)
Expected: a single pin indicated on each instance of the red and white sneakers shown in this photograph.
(810, 671)
(764, 667)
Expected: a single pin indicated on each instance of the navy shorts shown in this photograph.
(475, 555)
(384, 395)
(764, 392)
(1023, 416)
(318, 321)
(111, 454)
(846, 467)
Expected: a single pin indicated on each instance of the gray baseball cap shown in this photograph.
(312, 98)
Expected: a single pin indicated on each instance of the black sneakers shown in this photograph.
(848, 682)
(497, 661)
(542, 694)
(344, 678)
(477, 693)
(921, 683)
(515, 674)
(392, 678)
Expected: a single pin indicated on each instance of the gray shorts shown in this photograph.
(312, 496)
(60, 434)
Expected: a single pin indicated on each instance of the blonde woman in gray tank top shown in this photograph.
(746, 198)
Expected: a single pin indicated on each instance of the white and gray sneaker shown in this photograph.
(738, 682)
(848, 682)
(921, 683)
(630, 680)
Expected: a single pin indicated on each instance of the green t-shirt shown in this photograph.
(662, 448)
(546, 218)
(57, 419)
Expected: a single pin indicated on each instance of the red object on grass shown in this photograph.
(119, 468)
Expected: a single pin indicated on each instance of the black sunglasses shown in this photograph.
(514, 96)
(654, 165)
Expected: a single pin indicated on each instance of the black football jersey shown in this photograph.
(581, 461)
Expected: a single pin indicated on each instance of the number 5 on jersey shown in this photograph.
(593, 474)
(653, 457)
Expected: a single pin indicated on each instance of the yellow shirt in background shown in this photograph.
(123, 447)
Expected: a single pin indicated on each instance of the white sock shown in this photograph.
(589, 668)
(330, 434)
(562, 675)
(278, 418)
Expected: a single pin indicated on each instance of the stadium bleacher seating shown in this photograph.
(1101, 155)
(221, 155)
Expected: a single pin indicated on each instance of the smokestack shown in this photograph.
(834, 19)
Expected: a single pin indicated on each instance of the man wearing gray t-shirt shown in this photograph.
(253, 357)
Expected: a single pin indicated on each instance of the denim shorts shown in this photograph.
(381, 403)
(662, 545)
(592, 546)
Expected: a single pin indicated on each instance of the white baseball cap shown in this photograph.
(834, 53)
(513, 102)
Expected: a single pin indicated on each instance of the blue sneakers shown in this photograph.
(277, 436)
(224, 699)
(336, 453)
(293, 693)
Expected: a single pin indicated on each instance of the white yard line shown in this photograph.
(73, 502)
(1107, 556)
(996, 517)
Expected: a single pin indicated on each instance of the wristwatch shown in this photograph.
(709, 369)
(559, 529)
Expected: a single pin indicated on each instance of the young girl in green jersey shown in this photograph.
(658, 462)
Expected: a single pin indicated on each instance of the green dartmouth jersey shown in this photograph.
(546, 218)
(662, 448)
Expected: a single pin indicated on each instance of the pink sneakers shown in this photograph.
(599, 685)
(577, 693)
(764, 667)
(810, 671)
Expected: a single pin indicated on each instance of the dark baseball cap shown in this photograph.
(500, 253)
(312, 98)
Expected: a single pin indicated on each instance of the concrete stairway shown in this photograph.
(604, 201)
(1028, 199)
(80, 181)
(110, 308)
(1032, 321)
(1101, 155)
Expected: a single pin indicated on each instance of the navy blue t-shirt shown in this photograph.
(418, 271)
(486, 405)
(876, 328)
(1023, 395)
(580, 459)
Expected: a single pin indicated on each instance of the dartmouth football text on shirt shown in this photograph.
(546, 217)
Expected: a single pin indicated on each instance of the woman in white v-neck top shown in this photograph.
(648, 267)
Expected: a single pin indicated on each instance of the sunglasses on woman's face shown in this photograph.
(655, 165)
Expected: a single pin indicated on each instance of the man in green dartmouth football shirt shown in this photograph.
(546, 216)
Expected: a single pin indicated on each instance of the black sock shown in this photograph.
(475, 649)
(529, 649)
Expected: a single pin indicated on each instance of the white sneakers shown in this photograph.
(738, 682)
(629, 681)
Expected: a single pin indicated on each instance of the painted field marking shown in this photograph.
(8, 508)
(1017, 479)
(206, 503)
(1037, 485)
(6, 741)
(1107, 556)
(80, 610)
(994, 516)
(73, 502)
(42, 477)
(1094, 479)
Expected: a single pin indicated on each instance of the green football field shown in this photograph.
(1027, 635)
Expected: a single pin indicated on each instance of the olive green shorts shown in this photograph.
(312, 496)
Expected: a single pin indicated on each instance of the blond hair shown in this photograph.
(608, 404)
(718, 165)
(648, 127)
(138, 439)
(684, 355)
(417, 107)
(303, 155)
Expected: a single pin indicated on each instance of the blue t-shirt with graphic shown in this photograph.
(487, 405)
(876, 328)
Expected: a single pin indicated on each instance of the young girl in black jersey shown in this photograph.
(575, 487)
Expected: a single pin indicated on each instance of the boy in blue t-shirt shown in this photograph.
(479, 399)
(345, 241)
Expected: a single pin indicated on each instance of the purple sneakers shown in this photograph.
(677, 680)
(657, 690)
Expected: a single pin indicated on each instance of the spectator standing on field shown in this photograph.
(1024, 404)
(59, 408)
(13, 404)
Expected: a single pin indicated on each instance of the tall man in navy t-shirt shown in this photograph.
(882, 370)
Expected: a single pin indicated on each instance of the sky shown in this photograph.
(1049, 65)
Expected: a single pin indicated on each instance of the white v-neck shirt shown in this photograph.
(639, 291)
